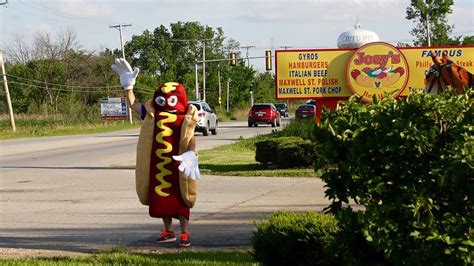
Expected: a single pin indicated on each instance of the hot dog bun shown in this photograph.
(386, 79)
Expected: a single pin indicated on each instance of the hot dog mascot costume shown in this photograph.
(167, 165)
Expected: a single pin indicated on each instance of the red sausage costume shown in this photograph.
(166, 131)
(166, 167)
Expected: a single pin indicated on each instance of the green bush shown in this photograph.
(295, 239)
(294, 154)
(284, 152)
(410, 163)
(303, 128)
(265, 151)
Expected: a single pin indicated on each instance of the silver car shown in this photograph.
(207, 118)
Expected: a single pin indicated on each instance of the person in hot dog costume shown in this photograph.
(167, 165)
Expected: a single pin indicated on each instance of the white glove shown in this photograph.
(189, 164)
(127, 76)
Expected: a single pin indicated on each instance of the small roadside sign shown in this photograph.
(113, 108)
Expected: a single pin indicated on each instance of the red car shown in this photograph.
(306, 111)
(264, 113)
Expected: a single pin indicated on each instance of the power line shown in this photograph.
(59, 89)
(136, 88)
(53, 12)
(60, 85)
(247, 53)
(58, 13)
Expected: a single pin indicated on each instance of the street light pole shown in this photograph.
(227, 96)
(220, 88)
(196, 84)
(204, 70)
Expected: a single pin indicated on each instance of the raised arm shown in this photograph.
(127, 80)
(132, 101)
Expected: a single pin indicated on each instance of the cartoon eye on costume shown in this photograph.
(172, 100)
(160, 100)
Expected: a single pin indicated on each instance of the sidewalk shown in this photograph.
(232, 227)
(223, 218)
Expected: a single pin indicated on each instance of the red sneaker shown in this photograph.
(184, 240)
(166, 236)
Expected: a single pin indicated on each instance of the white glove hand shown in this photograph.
(127, 75)
(189, 164)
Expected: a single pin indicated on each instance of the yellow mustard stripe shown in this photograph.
(162, 171)
(169, 86)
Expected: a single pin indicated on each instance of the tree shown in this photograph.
(52, 74)
(170, 54)
(42, 47)
(468, 40)
(435, 12)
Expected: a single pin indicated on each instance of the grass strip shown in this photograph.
(47, 128)
(131, 258)
(238, 159)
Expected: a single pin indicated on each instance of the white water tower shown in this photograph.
(356, 38)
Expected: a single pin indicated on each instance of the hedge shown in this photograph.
(288, 238)
(410, 163)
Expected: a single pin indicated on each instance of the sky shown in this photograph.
(264, 24)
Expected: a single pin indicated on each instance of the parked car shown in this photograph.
(264, 113)
(208, 121)
(283, 109)
(311, 101)
(306, 111)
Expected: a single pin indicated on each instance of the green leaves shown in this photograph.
(409, 162)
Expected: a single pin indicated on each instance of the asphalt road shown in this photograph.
(77, 193)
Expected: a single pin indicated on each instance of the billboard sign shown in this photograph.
(113, 108)
(419, 61)
(310, 74)
(326, 73)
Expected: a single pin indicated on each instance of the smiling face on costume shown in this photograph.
(171, 97)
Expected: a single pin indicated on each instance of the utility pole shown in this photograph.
(247, 53)
(196, 83)
(7, 93)
(204, 70)
(220, 88)
(120, 27)
(428, 33)
(195, 67)
(227, 96)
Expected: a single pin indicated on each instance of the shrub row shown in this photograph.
(303, 128)
(295, 239)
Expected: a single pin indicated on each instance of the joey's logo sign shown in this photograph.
(377, 69)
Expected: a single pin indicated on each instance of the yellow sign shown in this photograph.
(377, 69)
(419, 61)
(310, 74)
(321, 73)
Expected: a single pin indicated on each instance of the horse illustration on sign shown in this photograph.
(444, 73)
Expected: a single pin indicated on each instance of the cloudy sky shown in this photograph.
(265, 24)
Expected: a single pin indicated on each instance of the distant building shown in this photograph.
(356, 38)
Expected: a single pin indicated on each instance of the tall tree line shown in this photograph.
(432, 15)
(55, 75)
